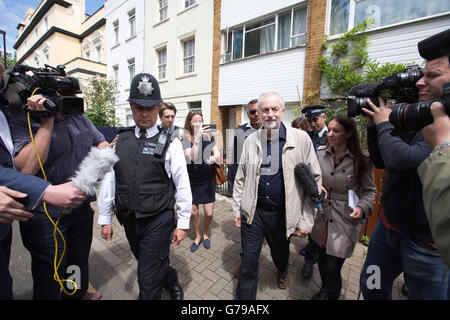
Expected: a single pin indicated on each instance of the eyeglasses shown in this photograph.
(197, 111)
(252, 112)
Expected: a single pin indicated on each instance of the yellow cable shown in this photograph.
(55, 265)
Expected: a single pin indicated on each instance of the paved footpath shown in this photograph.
(204, 274)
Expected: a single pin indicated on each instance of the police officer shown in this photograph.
(150, 175)
(316, 119)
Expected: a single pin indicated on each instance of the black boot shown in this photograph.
(321, 295)
(307, 269)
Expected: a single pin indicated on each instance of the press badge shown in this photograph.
(149, 148)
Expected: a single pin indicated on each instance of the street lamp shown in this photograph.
(4, 45)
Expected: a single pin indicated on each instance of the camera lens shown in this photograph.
(412, 116)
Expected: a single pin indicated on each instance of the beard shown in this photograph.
(271, 124)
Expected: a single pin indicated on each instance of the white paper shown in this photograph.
(353, 199)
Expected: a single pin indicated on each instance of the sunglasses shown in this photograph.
(197, 111)
(252, 112)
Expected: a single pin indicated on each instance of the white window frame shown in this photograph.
(188, 59)
(115, 70)
(131, 68)
(162, 65)
(188, 3)
(132, 22)
(116, 32)
(352, 16)
(163, 9)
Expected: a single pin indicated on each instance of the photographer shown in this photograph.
(15, 187)
(434, 174)
(62, 142)
(402, 241)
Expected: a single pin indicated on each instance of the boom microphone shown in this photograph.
(365, 90)
(93, 168)
(304, 176)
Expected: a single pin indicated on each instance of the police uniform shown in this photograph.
(318, 138)
(150, 177)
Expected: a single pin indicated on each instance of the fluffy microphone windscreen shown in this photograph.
(364, 90)
(305, 177)
(93, 168)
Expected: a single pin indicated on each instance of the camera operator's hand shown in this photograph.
(439, 131)
(10, 209)
(36, 103)
(379, 114)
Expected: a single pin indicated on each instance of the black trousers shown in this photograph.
(330, 274)
(269, 224)
(37, 237)
(149, 240)
(6, 281)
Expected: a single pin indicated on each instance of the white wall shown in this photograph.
(241, 81)
(128, 47)
(196, 21)
(235, 12)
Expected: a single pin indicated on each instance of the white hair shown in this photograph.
(268, 94)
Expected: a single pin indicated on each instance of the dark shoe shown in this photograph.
(405, 290)
(194, 246)
(307, 270)
(321, 295)
(282, 280)
(176, 292)
(206, 243)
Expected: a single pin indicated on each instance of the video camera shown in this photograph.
(415, 116)
(401, 86)
(408, 114)
(51, 82)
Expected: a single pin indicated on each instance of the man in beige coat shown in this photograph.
(267, 200)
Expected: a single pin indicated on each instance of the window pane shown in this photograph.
(339, 16)
(385, 12)
(299, 27)
(237, 43)
(284, 30)
(260, 40)
(189, 56)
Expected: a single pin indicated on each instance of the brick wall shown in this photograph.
(315, 35)
(216, 116)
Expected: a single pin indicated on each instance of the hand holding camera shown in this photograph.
(438, 132)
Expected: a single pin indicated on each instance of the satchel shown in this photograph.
(221, 178)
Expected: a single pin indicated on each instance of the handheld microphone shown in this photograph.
(93, 169)
(305, 177)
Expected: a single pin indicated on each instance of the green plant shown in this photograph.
(100, 98)
(365, 240)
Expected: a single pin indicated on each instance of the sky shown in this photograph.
(13, 11)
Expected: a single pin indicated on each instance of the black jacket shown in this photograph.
(402, 196)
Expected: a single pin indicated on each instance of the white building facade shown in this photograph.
(125, 49)
(263, 49)
(178, 52)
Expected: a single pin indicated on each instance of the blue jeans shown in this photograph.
(37, 237)
(425, 273)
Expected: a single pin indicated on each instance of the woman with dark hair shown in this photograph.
(346, 172)
(201, 152)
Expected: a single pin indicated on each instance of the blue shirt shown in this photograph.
(271, 181)
(72, 138)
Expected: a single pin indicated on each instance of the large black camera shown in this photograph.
(401, 87)
(417, 115)
(50, 82)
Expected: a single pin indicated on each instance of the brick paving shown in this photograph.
(208, 274)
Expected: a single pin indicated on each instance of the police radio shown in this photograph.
(162, 140)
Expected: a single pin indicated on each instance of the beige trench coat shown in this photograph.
(342, 231)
